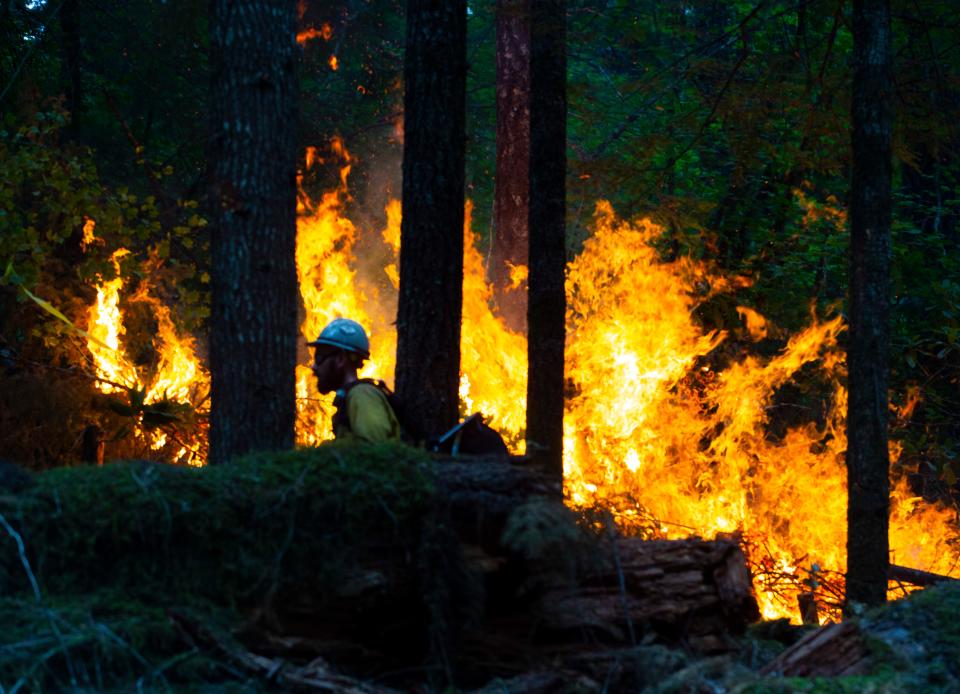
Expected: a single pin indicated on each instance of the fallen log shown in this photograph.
(480, 495)
(379, 560)
(315, 676)
(693, 591)
(916, 576)
(834, 650)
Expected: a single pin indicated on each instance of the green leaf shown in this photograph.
(948, 475)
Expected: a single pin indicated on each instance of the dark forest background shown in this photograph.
(727, 122)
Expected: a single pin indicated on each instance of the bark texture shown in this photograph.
(694, 591)
(71, 75)
(431, 232)
(511, 206)
(252, 154)
(837, 650)
(867, 450)
(547, 300)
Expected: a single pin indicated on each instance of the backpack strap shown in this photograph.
(341, 417)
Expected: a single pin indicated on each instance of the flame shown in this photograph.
(493, 358)
(88, 236)
(664, 425)
(518, 275)
(756, 324)
(105, 324)
(324, 32)
(679, 449)
(673, 445)
(333, 63)
(177, 375)
(311, 158)
(329, 288)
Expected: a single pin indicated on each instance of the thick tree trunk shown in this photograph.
(431, 233)
(71, 75)
(512, 184)
(70, 250)
(867, 451)
(252, 149)
(547, 300)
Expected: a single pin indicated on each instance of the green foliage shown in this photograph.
(542, 528)
(60, 227)
(116, 550)
(47, 193)
(727, 122)
(101, 642)
(264, 523)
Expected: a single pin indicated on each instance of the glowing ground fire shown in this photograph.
(674, 440)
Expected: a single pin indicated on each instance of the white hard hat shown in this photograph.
(344, 334)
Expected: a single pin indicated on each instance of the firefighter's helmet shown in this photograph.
(344, 334)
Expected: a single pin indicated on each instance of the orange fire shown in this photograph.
(653, 431)
(324, 32)
(330, 287)
(668, 425)
(177, 375)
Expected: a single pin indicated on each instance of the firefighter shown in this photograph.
(363, 409)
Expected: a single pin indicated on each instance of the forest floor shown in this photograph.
(257, 577)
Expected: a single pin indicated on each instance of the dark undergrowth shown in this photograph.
(95, 562)
(101, 568)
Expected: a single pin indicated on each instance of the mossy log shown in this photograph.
(376, 559)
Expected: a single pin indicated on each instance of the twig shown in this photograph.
(33, 47)
(916, 576)
(22, 551)
(153, 177)
(314, 677)
(70, 370)
(112, 635)
(29, 643)
(630, 118)
(621, 580)
(158, 671)
(36, 663)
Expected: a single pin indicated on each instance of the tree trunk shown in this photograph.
(547, 300)
(511, 183)
(867, 452)
(252, 149)
(431, 232)
(71, 76)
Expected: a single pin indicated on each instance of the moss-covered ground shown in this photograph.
(914, 645)
(93, 559)
(95, 562)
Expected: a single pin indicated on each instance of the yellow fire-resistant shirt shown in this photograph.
(369, 415)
